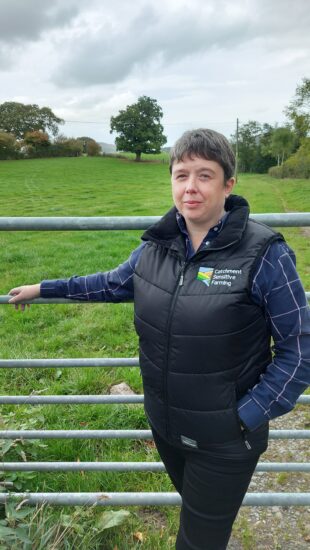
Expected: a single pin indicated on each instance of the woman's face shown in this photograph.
(199, 190)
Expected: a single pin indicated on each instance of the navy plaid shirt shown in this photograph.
(276, 288)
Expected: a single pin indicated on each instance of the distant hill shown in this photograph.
(107, 147)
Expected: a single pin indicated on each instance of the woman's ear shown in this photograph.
(229, 186)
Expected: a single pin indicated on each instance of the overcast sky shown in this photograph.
(206, 62)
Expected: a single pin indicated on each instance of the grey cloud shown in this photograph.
(282, 23)
(110, 56)
(157, 38)
(5, 58)
(27, 20)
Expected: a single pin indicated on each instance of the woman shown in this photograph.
(210, 288)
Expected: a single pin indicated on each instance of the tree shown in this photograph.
(265, 159)
(93, 149)
(139, 128)
(248, 145)
(297, 165)
(36, 144)
(67, 147)
(9, 149)
(281, 143)
(18, 119)
(90, 146)
(298, 111)
(37, 139)
(254, 147)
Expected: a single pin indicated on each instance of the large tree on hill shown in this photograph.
(139, 127)
(18, 119)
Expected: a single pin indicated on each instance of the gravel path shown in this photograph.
(278, 528)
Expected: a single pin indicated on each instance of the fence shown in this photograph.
(116, 499)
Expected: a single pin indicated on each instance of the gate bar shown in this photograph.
(4, 299)
(66, 363)
(132, 466)
(121, 434)
(147, 499)
(81, 363)
(68, 223)
(87, 399)
(69, 399)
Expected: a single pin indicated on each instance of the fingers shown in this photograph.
(18, 295)
(24, 294)
(22, 307)
(15, 291)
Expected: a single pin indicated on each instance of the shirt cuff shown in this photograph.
(53, 289)
(250, 413)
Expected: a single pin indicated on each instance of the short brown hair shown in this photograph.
(207, 144)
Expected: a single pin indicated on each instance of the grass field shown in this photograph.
(94, 187)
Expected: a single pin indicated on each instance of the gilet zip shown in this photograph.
(178, 285)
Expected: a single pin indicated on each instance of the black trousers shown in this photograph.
(212, 483)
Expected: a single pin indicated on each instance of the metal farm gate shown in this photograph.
(124, 499)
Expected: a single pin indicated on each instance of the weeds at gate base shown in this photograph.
(16, 449)
(28, 528)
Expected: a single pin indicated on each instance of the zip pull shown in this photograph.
(246, 442)
(181, 281)
(244, 436)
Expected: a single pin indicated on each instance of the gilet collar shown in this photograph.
(167, 233)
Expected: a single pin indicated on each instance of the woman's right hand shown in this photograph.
(24, 293)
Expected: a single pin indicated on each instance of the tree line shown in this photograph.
(283, 151)
(31, 131)
(28, 131)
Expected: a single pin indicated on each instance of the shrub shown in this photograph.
(9, 148)
(276, 172)
(93, 148)
(66, 147)
(297, 165)
(36, 144)
(90, 146)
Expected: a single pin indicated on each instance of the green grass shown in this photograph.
(94, 187)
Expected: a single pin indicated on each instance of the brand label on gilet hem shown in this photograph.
(190, 442)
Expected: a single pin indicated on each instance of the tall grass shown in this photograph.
(94, 187)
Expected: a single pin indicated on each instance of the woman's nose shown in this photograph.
(191, 185)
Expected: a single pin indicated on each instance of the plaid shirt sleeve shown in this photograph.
(278, 290)
(109, 286)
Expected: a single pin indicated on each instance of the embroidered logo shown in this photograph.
(205, 275)
(218, 277)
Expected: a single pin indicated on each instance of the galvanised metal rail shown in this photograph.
(131, 466)
(147, 499)
(69, 363)
(64, 223)
(115, 499)
(34, 399)
(121, 434)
